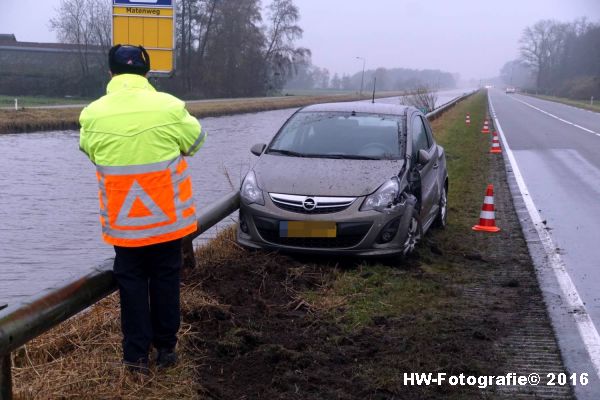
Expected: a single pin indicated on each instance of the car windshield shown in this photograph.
(339, 135)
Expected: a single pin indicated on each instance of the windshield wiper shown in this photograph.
(343, 156)
(286, 153)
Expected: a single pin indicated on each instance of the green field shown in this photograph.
(38, 101)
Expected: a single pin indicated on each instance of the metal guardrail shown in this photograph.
(444, 107)
(21, 322)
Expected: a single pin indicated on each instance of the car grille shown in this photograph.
(318, 243)
(322, 205)
(349, 234)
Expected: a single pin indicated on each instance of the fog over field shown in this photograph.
(472, 38)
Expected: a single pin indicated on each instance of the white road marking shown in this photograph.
(585, 326)
(556, 117)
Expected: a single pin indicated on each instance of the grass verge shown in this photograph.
(40, 101)
(36, 120)
(570, 102)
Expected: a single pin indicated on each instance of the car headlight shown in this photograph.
(383, 198)
(250, 190)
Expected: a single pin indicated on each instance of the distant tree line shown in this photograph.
(309, 76)
(226, 49)
(223, 47)
(562, 59)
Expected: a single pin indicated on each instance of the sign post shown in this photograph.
(149, 23)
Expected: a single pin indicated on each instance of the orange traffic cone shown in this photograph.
(495, 145)
(468, 119)
(487, 218)
(486, 126)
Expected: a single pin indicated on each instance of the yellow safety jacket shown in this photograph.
(137, 138)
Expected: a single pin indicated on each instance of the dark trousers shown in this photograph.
(148, 280)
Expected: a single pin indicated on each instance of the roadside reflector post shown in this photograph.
(5, 377)
(16, 104)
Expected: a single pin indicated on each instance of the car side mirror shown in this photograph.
(258, 149)
(423, 157)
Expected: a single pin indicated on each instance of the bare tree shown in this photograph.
(423, 97)
(87, 24)
(336, 82)
(516, 73)
(233, 64)
(206, 23)
(280, 55)
(184, 37)
(542, 47)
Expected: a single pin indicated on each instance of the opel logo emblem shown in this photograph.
(309, 204)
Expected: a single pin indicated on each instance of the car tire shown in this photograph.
(413, 236)
(441, 221)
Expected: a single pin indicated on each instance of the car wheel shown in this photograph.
(442, 217)
(413, 235)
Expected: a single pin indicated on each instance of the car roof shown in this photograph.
(359, 107)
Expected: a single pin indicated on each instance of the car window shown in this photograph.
(419, 136)
(340, 135)
(428, 131)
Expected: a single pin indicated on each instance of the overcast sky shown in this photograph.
(471, 37)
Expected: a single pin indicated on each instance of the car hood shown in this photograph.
(323, 176)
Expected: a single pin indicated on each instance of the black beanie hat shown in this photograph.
(128, 60)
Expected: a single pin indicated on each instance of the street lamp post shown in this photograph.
(362, 79)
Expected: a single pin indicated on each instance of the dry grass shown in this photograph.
(81, 358)
(35, 120)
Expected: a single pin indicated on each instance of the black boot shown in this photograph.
(166, 358)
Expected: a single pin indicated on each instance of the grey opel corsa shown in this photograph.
(346, 178)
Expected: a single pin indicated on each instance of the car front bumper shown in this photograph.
(359, 233)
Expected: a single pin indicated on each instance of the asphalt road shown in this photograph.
(557, 149)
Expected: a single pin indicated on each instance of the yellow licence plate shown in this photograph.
(307, 229)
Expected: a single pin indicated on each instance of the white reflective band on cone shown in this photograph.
(487, 215)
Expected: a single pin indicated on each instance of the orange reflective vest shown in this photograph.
(138, 138)
(146, 204)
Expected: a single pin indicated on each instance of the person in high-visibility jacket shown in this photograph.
(138, 138)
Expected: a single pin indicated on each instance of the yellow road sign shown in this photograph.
(150, 26)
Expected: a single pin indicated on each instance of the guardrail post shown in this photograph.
(187, 248)
(5, 377)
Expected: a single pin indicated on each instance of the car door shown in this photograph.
(428, 171)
